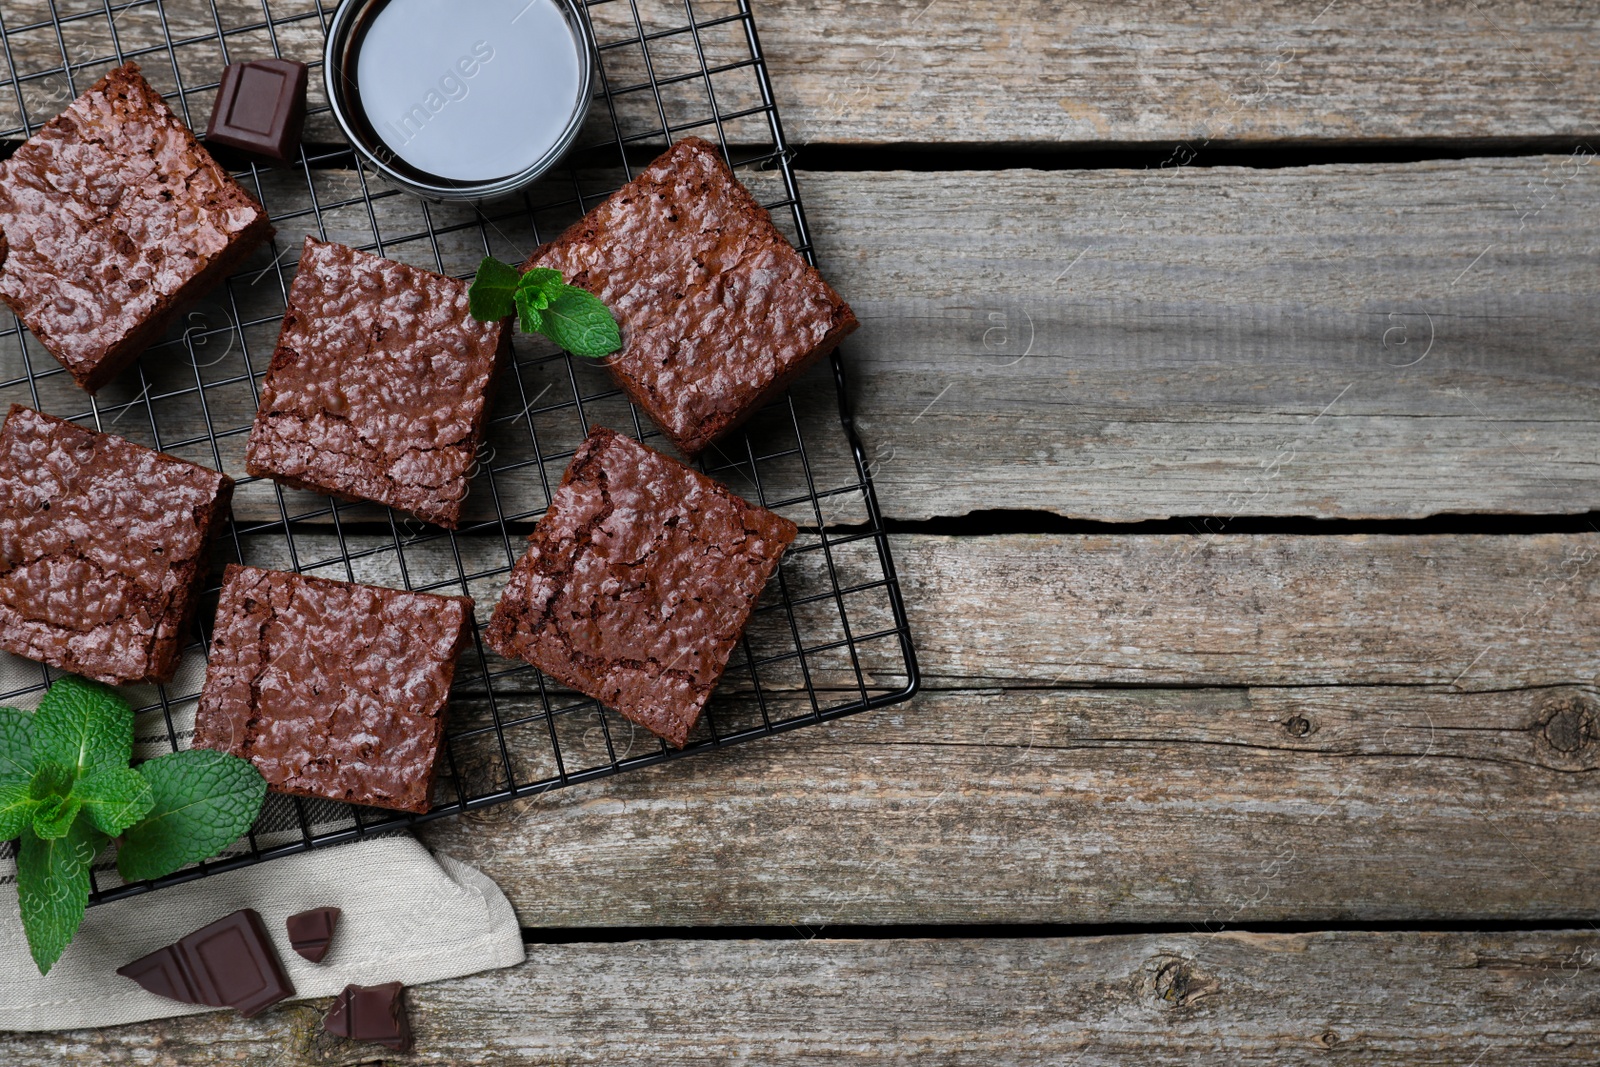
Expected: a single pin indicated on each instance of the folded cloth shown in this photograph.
(409, 916)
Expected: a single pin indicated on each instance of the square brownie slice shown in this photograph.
(332, 689)
(113, 218)
(719, 313)
(102, 545)
(638, 582)
(379, 386)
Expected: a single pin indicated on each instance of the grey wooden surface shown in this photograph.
(1354, 341)
(1197, 730)
(1400, 1000)
(1035, 74)
(1128, 729)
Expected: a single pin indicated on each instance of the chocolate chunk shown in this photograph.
(311, 932)
(229, 964)
(374, 1013)
(261, 106)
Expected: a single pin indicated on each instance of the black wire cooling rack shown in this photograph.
(828, 639)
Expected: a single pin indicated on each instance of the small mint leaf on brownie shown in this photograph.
(578, 321)
(530, 314)
(493, 289)
(547, 283)
(204, 801)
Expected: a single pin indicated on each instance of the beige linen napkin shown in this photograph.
(409, 916)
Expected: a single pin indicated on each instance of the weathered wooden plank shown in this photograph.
(1396, 728)
(1461, 613)
(1087, 73)
(1365, 341)
(1383, 341)
(1412, 999)
(1059, 806)
(1482, 613)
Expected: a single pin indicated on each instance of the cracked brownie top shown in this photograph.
(102, 542)
(379, 385)
(719, 313)
(638, 582)
(108, 214)
(332, 689)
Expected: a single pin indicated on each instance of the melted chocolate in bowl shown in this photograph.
(459, 99)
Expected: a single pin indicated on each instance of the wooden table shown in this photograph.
(1230, 374)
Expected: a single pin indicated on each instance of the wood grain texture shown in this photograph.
(1147, 806)
(1037, 73)
(1396, 728)
(1462, 613)
(1346, 341)
(1097, 73)
(1354, 341)
(1412, 999)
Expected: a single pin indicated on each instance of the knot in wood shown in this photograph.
(1568, 723)
(1327, 1039)
(1177, 983)
(1299, 726)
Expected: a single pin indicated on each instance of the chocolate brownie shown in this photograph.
(379, 386)
(102, 543)
(332, 689)
(719, 313)
(638, 582)
(113, 218)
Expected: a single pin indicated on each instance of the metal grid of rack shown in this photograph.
(830, 636)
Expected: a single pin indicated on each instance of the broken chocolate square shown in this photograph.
(371, 1013)
(229, 964)
(311, 932)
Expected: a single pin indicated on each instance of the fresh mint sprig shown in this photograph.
(544, 303)
(66, 791)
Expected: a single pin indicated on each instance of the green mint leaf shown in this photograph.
(54, 817)
(490, 297)
(578, 321)
(114, 798)
(204, 801)
(50, 779)
(16, 746)
(16, 809)
(83, 726)
(53, 889)
(529, 315)
(544, 282)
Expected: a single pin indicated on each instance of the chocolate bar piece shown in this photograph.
(371, 1013)
(311, 932)
(229, 964)
(260, 108)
